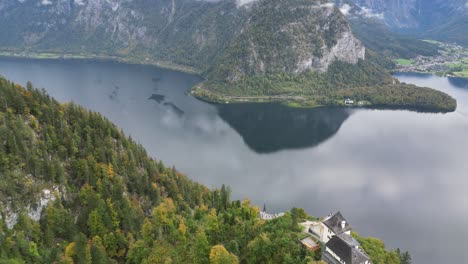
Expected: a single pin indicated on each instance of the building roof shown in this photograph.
(334, 223)
(349, 240)
(310, 244)
(267, 216)
(348, 253)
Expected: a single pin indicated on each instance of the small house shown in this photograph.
(348, 101)
(343, 249)
(333, 224)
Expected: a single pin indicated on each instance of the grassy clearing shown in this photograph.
(404, 61)
(463, 74)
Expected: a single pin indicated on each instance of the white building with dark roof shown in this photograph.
(339, 251)
(331, 225)
(340, 247)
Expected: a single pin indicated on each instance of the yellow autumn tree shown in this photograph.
(70, 252)
(182, 228)
(114, 214)
(162, 222)
(219, 255)
(110, 171)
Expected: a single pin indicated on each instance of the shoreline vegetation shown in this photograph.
(362, 85)
(377, 97)
(367, 98)
(100, 57)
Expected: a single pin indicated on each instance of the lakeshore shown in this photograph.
(363, 97)
(397, 96)
(100, 57)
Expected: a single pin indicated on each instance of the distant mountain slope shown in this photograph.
(377, 36)
(185, 32)
(455, 30)
(414, 15)
(443, 20)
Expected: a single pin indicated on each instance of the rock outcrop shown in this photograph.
(10, 215)
(289, 37)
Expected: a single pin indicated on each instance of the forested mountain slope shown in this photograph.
(185, 32)
(199, 34)
(453, 30)
(75, 189)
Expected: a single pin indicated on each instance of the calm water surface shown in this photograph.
(398, 175)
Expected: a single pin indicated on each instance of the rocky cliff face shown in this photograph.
(290, 36)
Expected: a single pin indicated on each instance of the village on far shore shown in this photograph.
(452, 61)
(331, 237)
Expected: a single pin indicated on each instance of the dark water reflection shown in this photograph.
(398, 175)
(268, 128)
(459, 82)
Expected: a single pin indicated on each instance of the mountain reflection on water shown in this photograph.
(268, 128)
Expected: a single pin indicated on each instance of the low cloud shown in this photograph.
(239, 3)
(367, 12)
(328, 5)
(244, 2)
(345, 9)
(46, 2)
(79, 2)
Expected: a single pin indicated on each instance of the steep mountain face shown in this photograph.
(290, 37)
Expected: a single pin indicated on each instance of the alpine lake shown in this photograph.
(401, 176)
